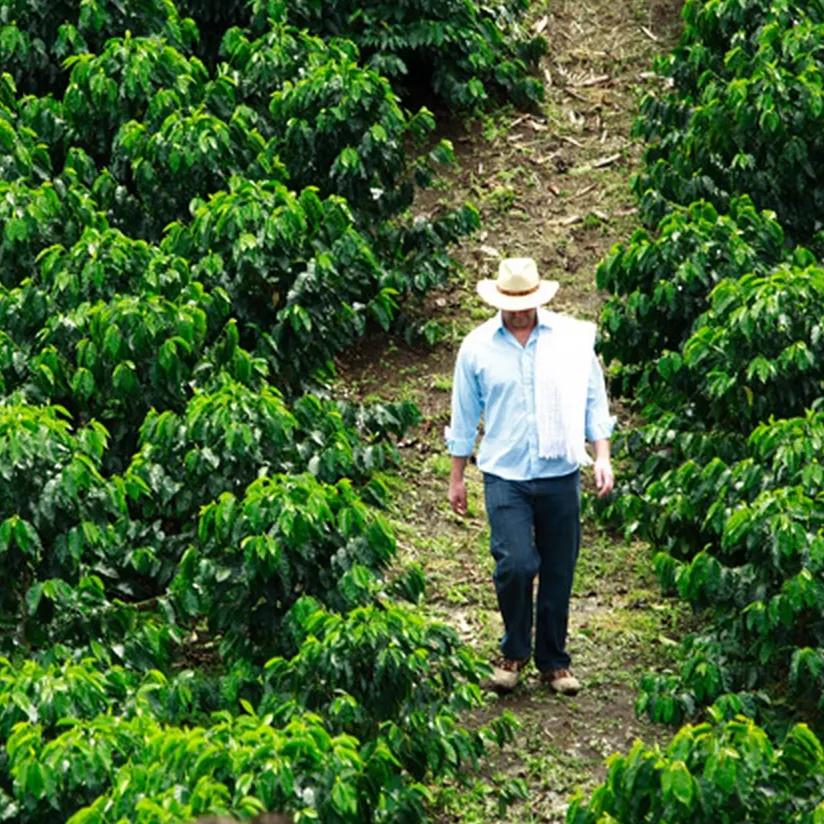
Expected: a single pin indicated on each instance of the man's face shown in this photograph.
(524, 319)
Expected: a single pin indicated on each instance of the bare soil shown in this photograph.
(554, 185)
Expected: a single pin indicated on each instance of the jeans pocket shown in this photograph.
(492, 489)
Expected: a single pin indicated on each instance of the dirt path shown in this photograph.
(553, 186)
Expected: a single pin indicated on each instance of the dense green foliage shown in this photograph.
(744, 115)
(720, 771)
(660, 285)
(465, 50)
(741, 538)
(180, 740)
(715, 325)
(202, 205)
(467, 53)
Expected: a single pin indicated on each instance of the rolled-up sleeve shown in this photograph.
(466, 407)
(599, 423)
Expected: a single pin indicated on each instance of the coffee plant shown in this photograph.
(741, 538)
(660, 285)
(229, 436)
(714, 326)
(256, 555)
(753, 354)
(392, 661)
(384, 670)
(56, 505)
(717, 771)
(202, 205)
(466, 52)
(747, 126)
(37, 37)
(712, 29)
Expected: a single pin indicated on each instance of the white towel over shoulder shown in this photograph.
(563, 362)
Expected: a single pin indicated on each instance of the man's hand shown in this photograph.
(604, 479)
(457, 496)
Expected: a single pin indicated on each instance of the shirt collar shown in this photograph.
(544, 319)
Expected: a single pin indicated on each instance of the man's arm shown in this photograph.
(599, 426)
(457, 487)
(604, 479)
(463, 428)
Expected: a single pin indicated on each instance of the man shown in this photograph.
(534, 376)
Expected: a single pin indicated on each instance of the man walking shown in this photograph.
(534, 376)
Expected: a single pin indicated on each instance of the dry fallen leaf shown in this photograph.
(584, 191)
(593, 81)
(576, 95)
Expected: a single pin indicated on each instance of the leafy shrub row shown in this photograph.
(202, 206)
(714, 325)
(716, 771)
(64, 524)
(468, 54)
(660, 285)
(179, 741)
(304, 270)
(743, 116)
(741, 539)
(466, 51)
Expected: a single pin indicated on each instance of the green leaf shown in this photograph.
(83, 384)
(112, 341)
(15, 229)
(6, 531)
(26, 537)
(33, 597)
(34, 781)
(678, 781)
(124, 378)
(344, 798)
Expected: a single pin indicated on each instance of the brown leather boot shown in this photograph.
(505, 674)
(561, 681)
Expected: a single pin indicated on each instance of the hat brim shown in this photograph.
(488, 290)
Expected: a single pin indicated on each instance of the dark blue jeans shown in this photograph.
(535, 530)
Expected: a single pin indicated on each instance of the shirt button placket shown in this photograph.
(529, 389)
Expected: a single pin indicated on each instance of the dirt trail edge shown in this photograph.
(555, 186)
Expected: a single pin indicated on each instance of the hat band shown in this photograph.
(510, 294)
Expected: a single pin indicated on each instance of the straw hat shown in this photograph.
(518, 286)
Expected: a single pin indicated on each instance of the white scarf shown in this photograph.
(563, 362)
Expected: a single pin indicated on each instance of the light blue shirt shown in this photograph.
(495, 376)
